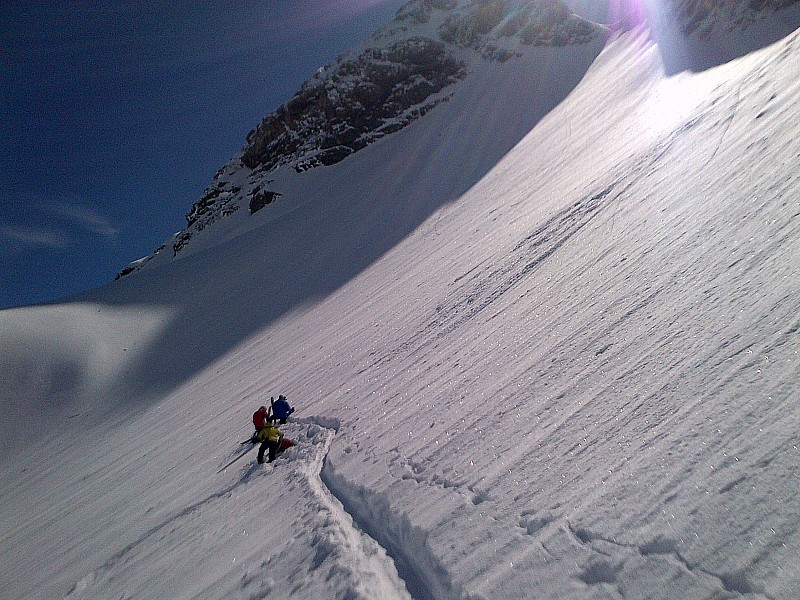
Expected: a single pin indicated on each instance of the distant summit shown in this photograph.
(701, 16)
(401, 75)
(352, 104)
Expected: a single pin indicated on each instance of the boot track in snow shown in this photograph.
(375, 576)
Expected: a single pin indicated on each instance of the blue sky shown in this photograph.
(116, 115)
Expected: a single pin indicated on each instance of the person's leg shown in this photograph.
(264, 445)
(273, 450)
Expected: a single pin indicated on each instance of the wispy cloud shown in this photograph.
(34, 237)
(84, 217)
(59, 225)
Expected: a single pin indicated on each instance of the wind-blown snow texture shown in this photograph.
(535, 353)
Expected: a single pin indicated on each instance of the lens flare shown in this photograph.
(627, 14)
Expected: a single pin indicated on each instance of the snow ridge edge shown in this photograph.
(423, 572)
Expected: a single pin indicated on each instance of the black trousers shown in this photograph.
(267, 445)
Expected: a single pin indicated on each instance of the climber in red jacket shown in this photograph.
(260, 419)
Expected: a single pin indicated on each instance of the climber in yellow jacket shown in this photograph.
(270, 437)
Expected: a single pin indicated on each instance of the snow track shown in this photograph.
(424, 575)
(373, 574)
(391, 551)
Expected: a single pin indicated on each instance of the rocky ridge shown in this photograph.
(396, 76)
(361, 98)
(702, 16)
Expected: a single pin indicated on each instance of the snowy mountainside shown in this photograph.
(330, 223)
(563, 365)
(399, 74)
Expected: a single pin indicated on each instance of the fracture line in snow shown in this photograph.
(375, 576)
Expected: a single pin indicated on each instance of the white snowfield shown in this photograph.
(532, 358)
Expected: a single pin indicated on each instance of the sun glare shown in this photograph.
(625, 14)
(671, 103)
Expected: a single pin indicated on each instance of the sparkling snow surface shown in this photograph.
(555, 364)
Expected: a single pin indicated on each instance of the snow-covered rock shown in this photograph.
(399, 74)
(702, 16)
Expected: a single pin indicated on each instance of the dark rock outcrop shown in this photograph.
(259, 199)
(358, 102)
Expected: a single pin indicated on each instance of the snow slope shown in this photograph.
(562, 365)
